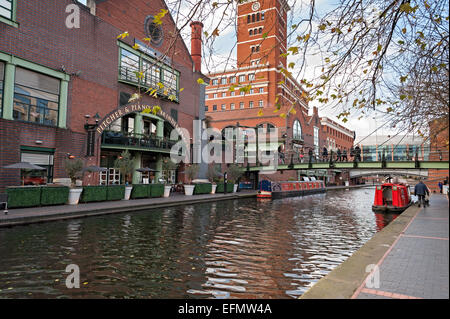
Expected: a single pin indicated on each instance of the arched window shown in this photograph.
(262, 15)
(253, 17)
(260, 30)
(250, 32)
(248, 19)
(297, 130)
(257, 16)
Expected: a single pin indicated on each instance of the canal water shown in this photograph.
(229, 249)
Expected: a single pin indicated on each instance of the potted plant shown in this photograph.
(234, 173)
(125, 164)
(213, 177)
(191, 173)
(168, 165)
(73, 169)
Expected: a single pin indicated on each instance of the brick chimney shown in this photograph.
(196, 44)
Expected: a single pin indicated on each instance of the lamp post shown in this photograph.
(90, 128)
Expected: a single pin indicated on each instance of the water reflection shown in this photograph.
(228, 249)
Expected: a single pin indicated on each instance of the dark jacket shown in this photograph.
(421, 189)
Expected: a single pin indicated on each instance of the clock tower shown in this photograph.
(262, 32)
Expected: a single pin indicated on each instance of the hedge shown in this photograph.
(54, 195)
(203, 189)
(156, 190)
(140, 191)
(115, 192)
(219, 188)
(93, 194)
(26, 196)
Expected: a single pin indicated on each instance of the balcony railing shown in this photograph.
(136, 140)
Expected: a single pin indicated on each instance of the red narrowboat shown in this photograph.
(391, 198)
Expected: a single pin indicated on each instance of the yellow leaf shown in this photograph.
(293, 111)
(136, 46)
(181, 90)
(260, 113)
(123, 35)
(200, 81)
(147, 39)
(283, 115)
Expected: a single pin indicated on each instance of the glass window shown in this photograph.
(215, 95)
(223, 81)
(152, 74)
(224, 94)
(241, 105)
(6, 9)
(261, 90)
(250, 104)
(129, 66)
(43, 159)
(214, 107)
(233, 79)
(233, 93)
(297, 130)
(223, 107)
(241, 78)
(36, 97)
(215, 81)
(170, 82)
(232, 106)
(261, 103)
(206, 108)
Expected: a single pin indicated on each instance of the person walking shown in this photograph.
(421, 190)
(352, 153)
(302, 155)
(325, 154)
(344, 155)
(310, 154)
(440, 187)
(338, 152)
(358, 153)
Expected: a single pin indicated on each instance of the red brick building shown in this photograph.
(260, 91)
(56, 77)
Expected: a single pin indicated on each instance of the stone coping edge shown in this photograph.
(112, 210)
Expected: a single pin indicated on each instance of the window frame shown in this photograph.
(151, 61)
(12, 21)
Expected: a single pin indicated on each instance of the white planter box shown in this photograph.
(127, 192)
(235, 187)
(167, 191)
(213, 190)
(189, 190)
(74, 195)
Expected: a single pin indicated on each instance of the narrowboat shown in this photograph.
(268, 189)
(391, 198)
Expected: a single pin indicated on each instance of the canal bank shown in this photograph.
(23, 216)
(411, 256)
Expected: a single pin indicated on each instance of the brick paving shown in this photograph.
(417, 265)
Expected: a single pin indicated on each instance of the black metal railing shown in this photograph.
(136, 140)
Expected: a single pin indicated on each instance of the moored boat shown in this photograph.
(269, 189)
(391, 198)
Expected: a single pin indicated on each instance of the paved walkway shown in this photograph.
(417, 264)
(20, 216)
(408, 259)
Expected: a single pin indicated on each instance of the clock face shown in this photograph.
(255, 6)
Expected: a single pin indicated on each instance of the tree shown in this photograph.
(191, 172)
(125, 164)
(73, 168)
(234, 173)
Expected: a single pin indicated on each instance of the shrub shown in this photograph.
(94, 194)
(191, 172)
(156, 190)
(115, 192)
(28, 196)
(234, 173)
(220, 188)
(125, 163)
(54, 195)
(202, 189)
(140, 191)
